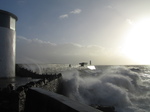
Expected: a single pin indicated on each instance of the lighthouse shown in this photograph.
(7, 44)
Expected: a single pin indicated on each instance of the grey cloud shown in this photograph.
(38, 51)
(76, 11)
(63, 16)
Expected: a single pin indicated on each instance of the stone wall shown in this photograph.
(13, 100)
(47, 84)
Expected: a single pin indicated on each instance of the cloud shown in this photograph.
(76, 11)
(63, 16)
(38, 51)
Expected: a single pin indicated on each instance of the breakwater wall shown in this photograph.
(12, 99)
(40, 100)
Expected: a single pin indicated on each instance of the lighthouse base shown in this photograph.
(7, 52)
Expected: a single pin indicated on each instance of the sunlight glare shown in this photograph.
(91, 67)
(137, 42)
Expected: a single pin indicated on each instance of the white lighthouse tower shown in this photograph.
(7, 44)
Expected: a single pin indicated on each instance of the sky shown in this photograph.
(107, 32)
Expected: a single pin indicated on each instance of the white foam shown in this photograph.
(118, 87)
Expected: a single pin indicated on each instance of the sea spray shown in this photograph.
(70, 85)
(115, 86)
(47, 68)
(37, 68)
(127, 88)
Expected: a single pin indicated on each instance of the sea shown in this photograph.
(126, 87)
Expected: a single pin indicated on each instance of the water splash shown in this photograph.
(115, 86)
